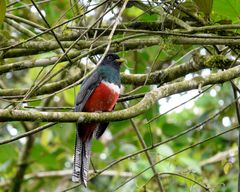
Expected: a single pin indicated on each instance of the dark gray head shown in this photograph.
(113, 60)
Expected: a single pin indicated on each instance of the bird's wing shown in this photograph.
(101, 128)
(82, 148)
(87, 88)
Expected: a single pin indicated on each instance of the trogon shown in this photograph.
(99, 92)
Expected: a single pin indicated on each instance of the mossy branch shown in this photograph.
(158, 77)
(37, 47)
(145, 104)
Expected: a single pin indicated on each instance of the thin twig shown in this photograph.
(176, 153)
(27, 133)
(55, 27)
(143, 144)
(161, 143)
(183, 176)
(46, 77)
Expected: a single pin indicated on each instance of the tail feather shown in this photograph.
(81, 160)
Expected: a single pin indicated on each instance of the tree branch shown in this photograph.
(145, 104)
(143, 145)
(158, 77)
(65, 173)
(35, 47)
(23, 162)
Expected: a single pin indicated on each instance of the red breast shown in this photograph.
(103, 98)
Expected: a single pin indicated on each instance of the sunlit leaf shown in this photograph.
(133, 12)
(2, 10)
(46, 137)
(227, 167)
(226, 9)
(70, 95)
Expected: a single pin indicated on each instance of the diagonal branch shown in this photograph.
(23, 161)
(143, 144)
(145, 104)
(157, 77)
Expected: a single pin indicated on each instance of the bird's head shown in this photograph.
(113, 60)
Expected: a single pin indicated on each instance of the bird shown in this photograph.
(99, 92)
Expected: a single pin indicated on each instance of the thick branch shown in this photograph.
(35, 47)
(145, 104)
(34, 63)
(159, 10)
(48, 88)
(22, 20)
(157, 77)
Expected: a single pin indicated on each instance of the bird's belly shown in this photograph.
(103, 98)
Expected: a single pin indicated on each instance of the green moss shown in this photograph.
(218, 61)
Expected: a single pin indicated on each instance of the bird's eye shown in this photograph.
(109, 57)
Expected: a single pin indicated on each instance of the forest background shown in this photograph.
(175, 127)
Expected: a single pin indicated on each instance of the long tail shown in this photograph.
(81, 160)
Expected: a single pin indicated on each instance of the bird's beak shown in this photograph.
(120, 61)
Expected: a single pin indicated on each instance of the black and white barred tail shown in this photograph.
(81, 160)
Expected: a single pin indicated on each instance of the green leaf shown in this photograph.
(43, 158)
(46, 137)
(205, 6)
(2, 10)
(69, 95)
(5, 166)
(148, 138)
(97, 146)
(7, 152)
(146, 17)
(170, 129)
(226, 9)
(133, 12)
(227, 167)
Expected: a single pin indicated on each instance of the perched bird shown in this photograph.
(99, 92)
